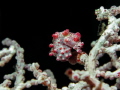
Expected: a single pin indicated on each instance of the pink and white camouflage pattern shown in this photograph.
(62, 44)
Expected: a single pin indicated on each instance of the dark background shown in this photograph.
(31, 24)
